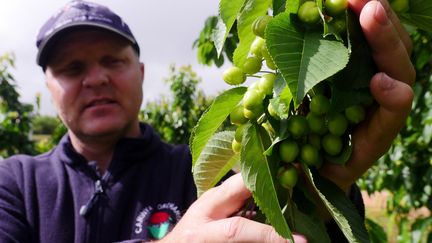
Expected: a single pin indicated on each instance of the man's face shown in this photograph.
(95, 79)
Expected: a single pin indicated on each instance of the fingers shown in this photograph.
(391, 49)
(388, 50)
(224, 200)
(357, 6)
(238, 229)
(208, 219)
(234, 229)
(374, 137)
(394, 99)
(403, 34)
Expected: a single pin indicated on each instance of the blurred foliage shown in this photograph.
(58, 129)
(43, 124)
(15, 117)
(206, 51)
(174, 118)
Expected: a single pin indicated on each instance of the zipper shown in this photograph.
(92, 210)
(86, 209)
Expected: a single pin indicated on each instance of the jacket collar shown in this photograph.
(127, 151)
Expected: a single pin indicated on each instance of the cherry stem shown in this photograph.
(254, 76)
(266, 72)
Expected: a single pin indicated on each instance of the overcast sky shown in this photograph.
(165, 30)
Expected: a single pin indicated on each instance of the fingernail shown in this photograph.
(380, 14)
(299, 238)
(386, 83)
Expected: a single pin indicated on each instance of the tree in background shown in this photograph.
(44, 124)
(15, 117)
(47, 131)
(174, 118)
(206, 51)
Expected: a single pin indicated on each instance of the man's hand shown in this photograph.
(391, 49)
(210, 218)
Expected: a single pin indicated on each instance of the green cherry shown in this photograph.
(266, 83)
(308, 13)
(234, 76)
(288, 150)
(260, 24)
(252, 65)
(335, 7)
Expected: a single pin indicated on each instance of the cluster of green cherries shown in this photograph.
(333, 10)
(321, 134)
(308, 13)
(312, 136)
(315, 132)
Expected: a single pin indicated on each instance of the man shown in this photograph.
(111, 178)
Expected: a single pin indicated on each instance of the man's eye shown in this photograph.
(72, 69)
(113, 61)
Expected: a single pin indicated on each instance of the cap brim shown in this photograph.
(47, 44)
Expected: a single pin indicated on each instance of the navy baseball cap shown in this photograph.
(78, 14)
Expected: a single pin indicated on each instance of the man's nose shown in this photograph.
(96, 75)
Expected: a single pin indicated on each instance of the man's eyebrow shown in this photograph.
(58, 54)
(57, 59)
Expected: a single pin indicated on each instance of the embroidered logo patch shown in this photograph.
(156, 222)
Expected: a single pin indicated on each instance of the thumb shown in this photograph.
(394, 99)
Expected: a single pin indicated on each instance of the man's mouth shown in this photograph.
(99, 102)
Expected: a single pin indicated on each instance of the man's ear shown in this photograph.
(48, 84)
(142, 69)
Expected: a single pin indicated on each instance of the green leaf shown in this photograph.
(361, 66)
(216, 159)
(310, 226)
(302, 55)
(292, 6)
(340, 207)
(282, 98)
(281, 107)
(421, 229)
(351, 85)
(404, 230)
(330, 30)
(376, 232)
(257, 175)
(419, 14)
(228, 12)
(281, 104)
(286, 96)
(251, 11)
(278, 6)
(279, 85)
(213, 118)
(343, 98)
